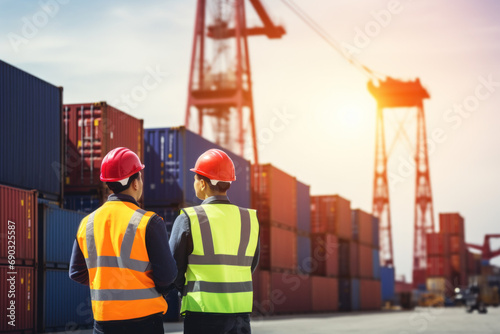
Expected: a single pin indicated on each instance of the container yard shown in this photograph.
(350, 239)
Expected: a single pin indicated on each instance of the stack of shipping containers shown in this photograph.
(274, 196)
(452, 225)
(438, 263)
(365, 234)
(30, 147)
(168, 183)
(331, 232)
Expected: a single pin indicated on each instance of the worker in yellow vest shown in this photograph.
(216, 248)
(121, 252)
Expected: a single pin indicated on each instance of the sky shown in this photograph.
(105, 50)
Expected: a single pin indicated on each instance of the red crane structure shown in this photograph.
(393, 93)
(486, 252)
(220, 81)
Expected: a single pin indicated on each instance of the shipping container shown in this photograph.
(83, 202)
(261, 280)
(438, 266)
(451, 223)
(370, 294)
(325, 254)
(292, 293)
(457, 244)
(17, 299)
(274, 195)
(91, 131)
(365, 261)
(376, 263)
(169, 154)
(438, 285)
(387, 283)
(363, 223)
(304, 260)
(349, 298)
(31, 132)
(63, 304)
(437, 244)
(419, 276)
(348, 259)
(278, 248)
(18, 226)
(402, 286)
(169, 214)
(58, 229)
(376, 234)
(303, 207)
(324, 294)
(331, 214)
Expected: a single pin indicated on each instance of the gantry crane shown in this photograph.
(220, 81)
(486, 252)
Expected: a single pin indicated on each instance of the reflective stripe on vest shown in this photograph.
(220, 283)
(124, 260)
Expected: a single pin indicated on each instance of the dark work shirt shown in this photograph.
(181, 242)
(160, 257)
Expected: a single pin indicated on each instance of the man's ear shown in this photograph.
(135, 184)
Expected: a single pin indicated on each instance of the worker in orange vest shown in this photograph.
(216, 248)
(121, 252)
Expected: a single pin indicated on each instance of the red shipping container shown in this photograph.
(400, 287)
(451, 223)
(438, 266)
(457, 263)
(290, 293)
(17, 298)
(457, 244)
(324, 294)
(274, 195)
(354, 259)
(18, 226)
(278, 248)
(91, 131)
(419, 277)
(325, 254)
(331, 214)
(437, 244)
(370, 294)
(365, 262)
(364, 223)
(261, 291)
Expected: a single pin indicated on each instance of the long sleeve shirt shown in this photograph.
(160, 257)
(181, 242)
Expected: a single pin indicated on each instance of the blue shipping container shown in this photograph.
(59, 228)
(375, 234)
(65, 304)
(304, 260)
(376, 263)
(303, 207)
(387, 282)
(355, 296)
(30, 132)
(169, 154)
(82, 202)
(169, 214)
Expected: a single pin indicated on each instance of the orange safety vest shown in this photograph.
(113, 242)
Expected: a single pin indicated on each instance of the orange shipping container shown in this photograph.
(370, 292)
(363, 223)
(457, 244)
(451, 223)
(324, 254)
(331, 214)
(278, 248)
(274, 195)
(365, 262)
(324, 294)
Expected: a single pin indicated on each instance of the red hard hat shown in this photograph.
(119, 164)
(216, 165)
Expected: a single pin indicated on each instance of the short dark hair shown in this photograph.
(220, 187)
(117, 187)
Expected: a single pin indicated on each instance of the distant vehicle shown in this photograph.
(473, 300)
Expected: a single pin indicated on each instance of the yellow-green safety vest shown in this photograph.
(219, 275)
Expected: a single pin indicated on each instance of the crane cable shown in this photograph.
(328, 39)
